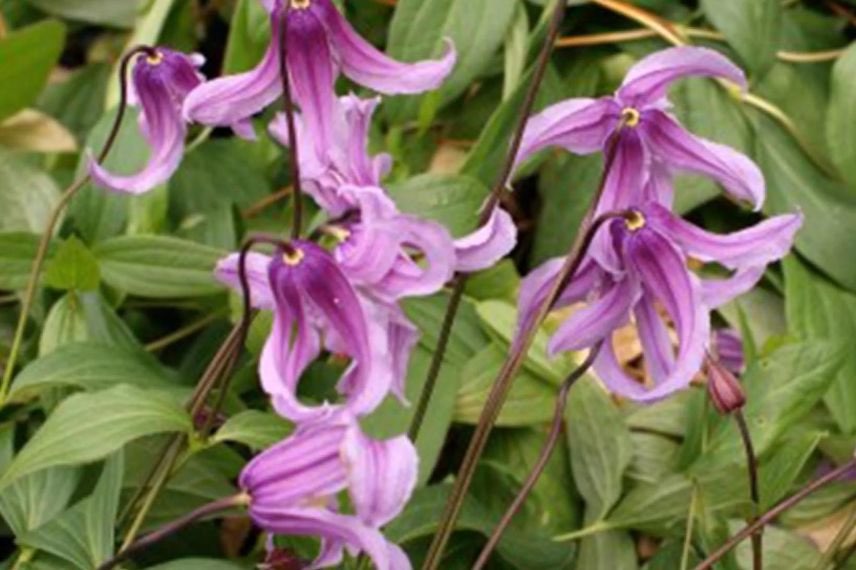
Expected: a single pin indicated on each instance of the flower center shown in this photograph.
(300, 4)
(339, 233)
(634, 221)
(630, 116)
(154, 58)
(293, 256)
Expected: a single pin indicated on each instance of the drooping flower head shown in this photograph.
(724, 388)
(319, 44)
(641, 270)
(161, 80)
(314, 306)
(649, 144)
(294, 487)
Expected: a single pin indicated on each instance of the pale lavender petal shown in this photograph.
(627, 175)
(382, 475)
(332, 526)
(648, 81)
(231, 99)
(580, 126)
(368, 66)
(487, 245)
(718, 292)
(656, 344)
(659, 188)
(597, 320)
(609, 371)
(728, 348)
(360, 167)
(761, 244)
(680, 150)
(257, 265)
(664, 275)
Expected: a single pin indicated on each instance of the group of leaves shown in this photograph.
(91, 406)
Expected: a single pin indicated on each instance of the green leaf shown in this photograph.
(78, 102)
(88, 427)
(818, 309)
(782, 549)
(159, 266)
(752, 28)
(654, 457)
(17, 250)
(106, 12)
(97, 213)
(454, 201)
(842, 114)
(27, 195)
(418, 31)
(198, 564)
(28, 56)
(90, 367)
(73, 267)
(253, 428)
(516, 50)
(249, 36)
(600, 444)
(794, 183)
(781, 389)
(79, 317)
(783, 468)
(37, 498)
(84, 535)
(608, 550)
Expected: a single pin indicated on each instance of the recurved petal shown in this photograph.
(718, 292)
(368, 66)
(760, 244)
(627, 176)
(324, 523)
(227, 272)
(598, 320)
(649, 80)
(580, 126)
(671, 144)
(487, 245)
(656, 344)
(231, 99)
(382, 475)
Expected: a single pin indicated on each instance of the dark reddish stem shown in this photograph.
(288, 103)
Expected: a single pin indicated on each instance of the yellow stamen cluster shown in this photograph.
(634, 221)
(300, 4)
(630, 117)
(293, 257)
(154, 58)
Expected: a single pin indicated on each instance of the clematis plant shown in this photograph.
(161, 80)
(649, 144)
(319, 43)
(293, 489)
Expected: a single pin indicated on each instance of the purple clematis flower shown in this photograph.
(161, 80)
(644, 270)
(487, 245)
(320, 43)
(649, 144)
(728, 349)
(314, 305)
(294, 487)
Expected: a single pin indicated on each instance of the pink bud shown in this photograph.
(724, 388)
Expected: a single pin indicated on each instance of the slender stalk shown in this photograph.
(288, 103)
(424, 400)
(770, 515)
(53, 220)
(183, 332)
(843, 533)
(179, 524)
(541, 464)
(754, 492)
(688, 534)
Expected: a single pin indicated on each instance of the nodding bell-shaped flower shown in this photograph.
(314, 306)
(728, 349)
(161, 80)
(294, 487)
(642, 267)
(320, 43)
(649, 143)
(724, 388)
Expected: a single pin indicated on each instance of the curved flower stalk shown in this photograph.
(294, 487)
(314, 306)
(161, 81)
(643, 268)
(320, 43)
(650, 143)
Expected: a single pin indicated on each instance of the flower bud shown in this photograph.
(725, 390)
(282, 559)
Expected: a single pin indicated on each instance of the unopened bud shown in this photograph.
(282, 559)
(725, 390)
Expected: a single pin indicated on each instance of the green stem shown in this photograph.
(183, 332)
(688, 536)
(592, 529)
